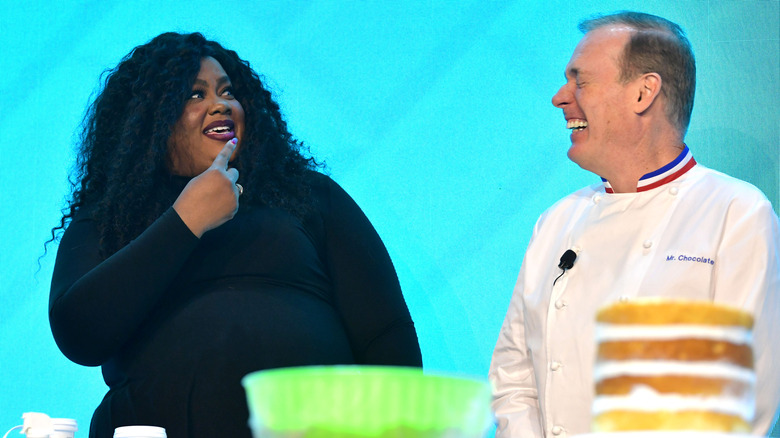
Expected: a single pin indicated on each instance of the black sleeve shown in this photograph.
(366, 288)
(96, 304)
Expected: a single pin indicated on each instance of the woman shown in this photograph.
(201, 245)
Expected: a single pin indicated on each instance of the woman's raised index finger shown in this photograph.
(223, 157)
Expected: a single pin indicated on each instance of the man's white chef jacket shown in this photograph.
(691, 233)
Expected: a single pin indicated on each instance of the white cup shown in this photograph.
(63, 428)
(139, 432)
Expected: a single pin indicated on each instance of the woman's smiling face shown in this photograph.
(211, 117)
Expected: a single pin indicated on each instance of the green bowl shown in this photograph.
(365, 401)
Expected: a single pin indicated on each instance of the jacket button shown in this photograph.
(557, 430)
(674, 191)
(560, 304)
(555, 366)
(647, 244)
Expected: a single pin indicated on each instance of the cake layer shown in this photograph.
(679, 349)
(624, 421)
(608, 369)
(644, 399)
(664, 311)
(669, 384)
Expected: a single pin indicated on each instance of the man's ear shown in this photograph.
(648, 87)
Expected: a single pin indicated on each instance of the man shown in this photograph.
(628, 98)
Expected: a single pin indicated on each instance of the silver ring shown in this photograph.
(240, 189)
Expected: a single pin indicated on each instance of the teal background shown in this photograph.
(434, 115)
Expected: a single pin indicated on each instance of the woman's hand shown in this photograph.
(211, 198)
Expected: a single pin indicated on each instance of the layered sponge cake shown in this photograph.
(673, 365)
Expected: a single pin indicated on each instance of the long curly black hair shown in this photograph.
(123, 158)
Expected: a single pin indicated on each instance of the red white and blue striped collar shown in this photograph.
(683, 163)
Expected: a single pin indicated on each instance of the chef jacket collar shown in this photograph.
(683, 163)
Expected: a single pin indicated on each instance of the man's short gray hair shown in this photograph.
(656, 46)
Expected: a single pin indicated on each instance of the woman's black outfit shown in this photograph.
(176, 321)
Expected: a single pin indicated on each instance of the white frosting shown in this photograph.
(628, 332)
(607, 369)
(645, 399)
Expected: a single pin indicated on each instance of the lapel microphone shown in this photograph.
(566, 262)
(567, 259)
